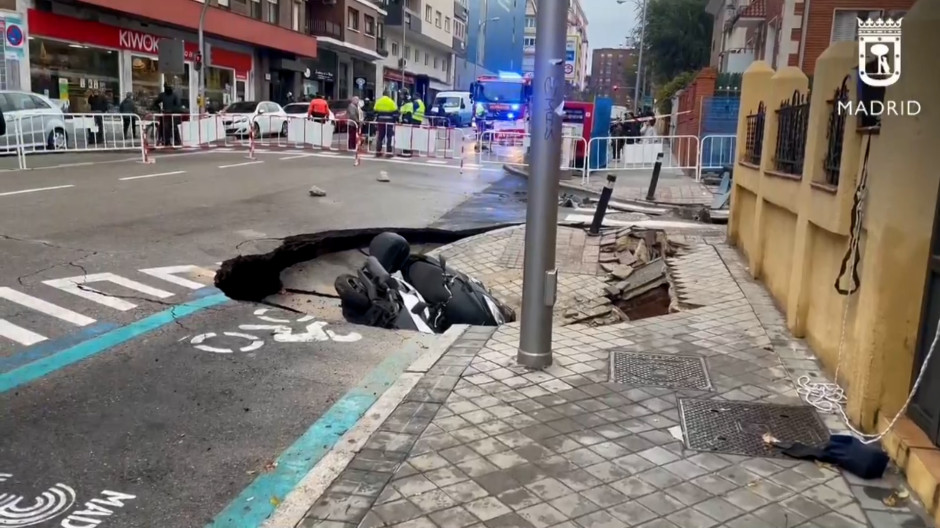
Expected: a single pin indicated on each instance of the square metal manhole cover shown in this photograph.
(659, 370)
(738, 428)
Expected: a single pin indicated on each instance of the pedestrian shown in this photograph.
(3, 124)
(168, 104)
(354, 123)
(386, 115)
(617, 133)
(649, 129)
(319, 109)
(129, 109)
(98, 104)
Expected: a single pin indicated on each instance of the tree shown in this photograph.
(678, 37)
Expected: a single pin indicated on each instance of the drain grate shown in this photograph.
(738, 428)
(659, 370)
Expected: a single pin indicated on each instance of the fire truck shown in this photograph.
(507, 100)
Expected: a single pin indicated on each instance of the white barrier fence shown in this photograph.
(412, 140)
(717, 152)
(30, 133)
(680, 153)
(509, 148)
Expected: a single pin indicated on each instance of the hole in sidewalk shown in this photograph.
(299, 274)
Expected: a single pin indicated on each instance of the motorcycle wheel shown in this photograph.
(351, 293)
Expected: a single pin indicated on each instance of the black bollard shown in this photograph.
(602, 205)
(651, 193)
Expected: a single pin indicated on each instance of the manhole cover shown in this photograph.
(659, 370)
(738, 428)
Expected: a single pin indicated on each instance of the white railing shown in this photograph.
(509, 148)
(717, 151)
(680, 153)
(55, 132)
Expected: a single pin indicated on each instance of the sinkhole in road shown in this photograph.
(298, 274)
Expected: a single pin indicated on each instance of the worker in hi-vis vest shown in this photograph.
(386, 115)
(479, 117)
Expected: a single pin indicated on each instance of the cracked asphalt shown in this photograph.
(185, 428)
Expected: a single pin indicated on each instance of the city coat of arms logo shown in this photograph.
(879, 51)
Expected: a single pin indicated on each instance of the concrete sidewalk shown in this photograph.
(481, 442)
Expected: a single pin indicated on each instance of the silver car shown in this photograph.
(35, 118)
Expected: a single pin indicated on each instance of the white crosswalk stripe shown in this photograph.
(91, 287)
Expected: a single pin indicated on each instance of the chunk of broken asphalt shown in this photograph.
(316, 191)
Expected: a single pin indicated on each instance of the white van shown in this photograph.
(457, 107)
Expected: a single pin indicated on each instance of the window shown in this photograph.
(352, 19)
(427, 59)
(845, 26)
(529, 21)
(528, 42)
(435, 62)
(256, 9)
(447, 24)
(427, 12)
(222, 3)
(380, 30)
(459, 29)
(271, 12)
(395, 49)
(369, 25)
(417, 55)
(437, 19)
(295, 16)
(407, 54)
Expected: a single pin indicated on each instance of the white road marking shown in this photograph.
(438, 162)
(74, 285)
(261, 311)
(168, 273)
(240, 164)
(254, 344)
(294, 157)
(19, 334)
(152, 175)
(45, 307)
(25, 191)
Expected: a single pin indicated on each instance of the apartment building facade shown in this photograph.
(255, 49)
(787, 32)
(613, 74)
(495, 36)
(576, 45)
(350, 36)
(420, 38)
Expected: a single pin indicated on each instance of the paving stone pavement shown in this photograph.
(481, 442)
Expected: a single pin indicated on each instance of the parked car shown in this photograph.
(265, 117)
(41, 121)
(294, 109)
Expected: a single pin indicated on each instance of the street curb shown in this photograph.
(291, 511)
(516, 171)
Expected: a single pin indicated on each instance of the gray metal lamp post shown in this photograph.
(637, 90)
(539, 274)
(202, 53)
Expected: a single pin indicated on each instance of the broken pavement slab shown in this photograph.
(317, 192)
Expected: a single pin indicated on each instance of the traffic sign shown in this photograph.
(569, 68)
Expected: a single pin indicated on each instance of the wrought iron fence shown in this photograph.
(835, 132)
(753, 142)
(792, 119)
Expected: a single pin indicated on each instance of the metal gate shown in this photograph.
(925, 407)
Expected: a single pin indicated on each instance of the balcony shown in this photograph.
(461, 12)
(412, 20)
(381, 47)
(326, 28)
(460, 48)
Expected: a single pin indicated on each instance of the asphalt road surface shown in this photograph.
(133, 394)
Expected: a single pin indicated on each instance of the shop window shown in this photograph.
(146, 82)
(71, 73)
(352, 17)
(369, 25)
(218, 88)
(271, 12)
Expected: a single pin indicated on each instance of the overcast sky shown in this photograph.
(608, 22)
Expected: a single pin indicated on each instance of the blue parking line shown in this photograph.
(258, 501)
(62, 358)
(48, 348)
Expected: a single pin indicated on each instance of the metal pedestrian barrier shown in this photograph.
(57, 132)
(510, 148)
(717, 152)
(679, 154)
(412, 140)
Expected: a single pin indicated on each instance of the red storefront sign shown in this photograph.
(86, 32)
(395, 75)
